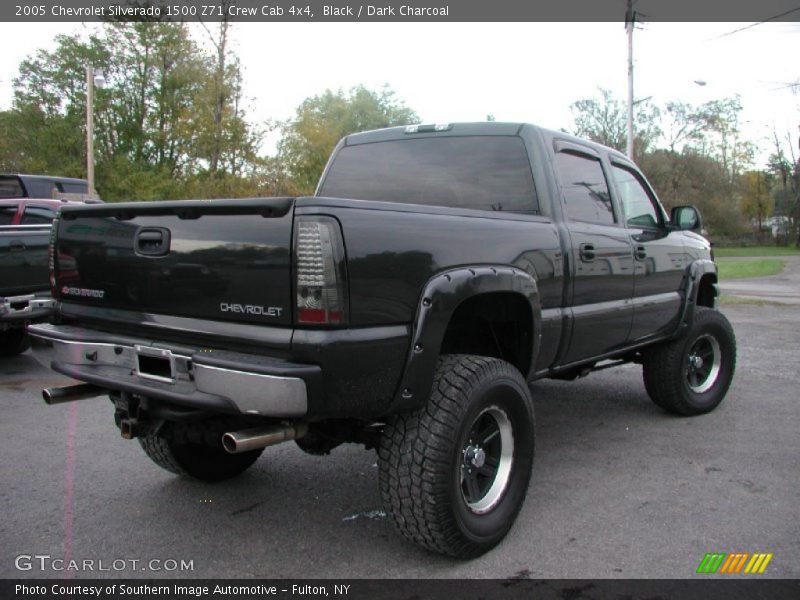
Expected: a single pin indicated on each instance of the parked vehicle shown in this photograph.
(43, 186)
(406, 306)
(24, 236)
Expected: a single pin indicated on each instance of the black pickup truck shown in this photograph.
(28, 204)
(24, 287)
(406, 306)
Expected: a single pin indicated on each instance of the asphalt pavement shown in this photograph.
(619, 488)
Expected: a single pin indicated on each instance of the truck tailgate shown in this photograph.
(23, 259)
(225, 260)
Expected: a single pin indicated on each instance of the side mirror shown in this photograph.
(686, 218)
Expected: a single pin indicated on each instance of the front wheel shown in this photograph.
(455, 473)
(691, 375)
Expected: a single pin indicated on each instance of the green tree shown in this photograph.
(169, 120)
(604, 120)
(321, 121)
(785, 166)
(681, 126)
(721, 136)
(226, 144)
(45, 130)
(757, 203)
(688, 177)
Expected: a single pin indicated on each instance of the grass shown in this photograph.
(757, 251)
(744, 269)
(736, 300)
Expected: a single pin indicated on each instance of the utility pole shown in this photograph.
(94, 78)
(630, 20)
(90, 129)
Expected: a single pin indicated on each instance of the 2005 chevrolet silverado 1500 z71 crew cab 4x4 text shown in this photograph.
(406, 306)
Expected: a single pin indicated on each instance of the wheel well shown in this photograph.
(498, 324)
(706, 293)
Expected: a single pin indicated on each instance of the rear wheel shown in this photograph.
(195, 450)
(14, 341)
(454, 474)
(691, 375)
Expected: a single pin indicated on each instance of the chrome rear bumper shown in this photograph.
(199, 378)
(26, 307)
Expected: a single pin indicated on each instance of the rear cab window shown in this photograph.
(490, 173)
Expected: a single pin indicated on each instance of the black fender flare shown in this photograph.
(695, 273)
(440, 298)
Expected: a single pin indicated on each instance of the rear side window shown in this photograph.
(481, 172)
(36, 215)
(585, 188)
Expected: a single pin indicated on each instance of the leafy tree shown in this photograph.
(785, 165)
(321, 121)
(605, 120)
(689, 177)
(757, 203)
(721, 136)
(45, 130)
(227, 144)
(169, 120)
(682, 126)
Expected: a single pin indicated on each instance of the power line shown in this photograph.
(783, 14)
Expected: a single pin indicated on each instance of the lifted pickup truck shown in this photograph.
(406, 306)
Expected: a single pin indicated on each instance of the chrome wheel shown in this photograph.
(703, 364)
(486, 459)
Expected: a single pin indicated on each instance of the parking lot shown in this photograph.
(619, 489)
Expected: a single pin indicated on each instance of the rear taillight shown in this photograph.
(320, 275)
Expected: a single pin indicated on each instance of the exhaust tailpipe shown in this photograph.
(235, 442)
(59, 395)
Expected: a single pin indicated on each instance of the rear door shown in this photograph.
(602, 259)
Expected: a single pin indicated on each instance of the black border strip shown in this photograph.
(700, 588)
(400, 11)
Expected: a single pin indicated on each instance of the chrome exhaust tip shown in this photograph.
(256, 438)
(70, 393)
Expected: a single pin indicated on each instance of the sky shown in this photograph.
(532, 72)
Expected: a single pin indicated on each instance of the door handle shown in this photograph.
(152, 241)
(640, 253)
(587, 252)
(16, 246)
